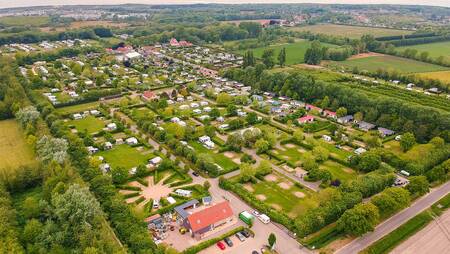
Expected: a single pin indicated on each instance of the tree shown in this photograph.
(298, 135)
(391, 200)
(214, 113)
(282, 57)
(119, 175)
(267, 58)
(231, 110)
(321, 154)
(272, 240)
(358, 116)
(206, 185)
(27, 115)
(141, 171)
(359, 220)
(340, 112)
(314, 54)
(31, 208)
(247, 172)
(31, 230)
(418, 185)
(254, 29)
(264, 168)
(224, 99)
(309, 162)
(251, 118)
(249, 59)
(369, 162)
(407, 141)
(49, 148)
(325, 102)
(235, 141)
(262, 146)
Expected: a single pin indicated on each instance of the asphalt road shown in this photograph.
(395, 221)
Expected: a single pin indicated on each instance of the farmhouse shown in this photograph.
(365, 126)
(345, 119)
(330, 114)
(385, 132)
(306, 119)
(208, 219)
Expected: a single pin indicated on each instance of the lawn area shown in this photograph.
(126, 156)
(373, 63)
(435, 50)
(15, 151)
(294, 51)
(339, 171)
(443, 76)
(353, 32)
(142, 112)
(219, 158)
(24, 20)
(413, 154)
(90, 123)
(280, 135)
(78, 108)
(280, 193)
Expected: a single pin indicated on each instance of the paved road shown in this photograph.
(395, 221)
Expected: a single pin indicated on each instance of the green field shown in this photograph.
(435, 49)
(126, 156)
(78, 108)
(90, 123)
(24, 20)
(15, 151)
(219, 158)
(295, 52)
(373, 63)
(413, 154)
(353, 32)
(284, 198)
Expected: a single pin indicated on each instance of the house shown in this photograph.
(312, 107)
(329, 114)
(385, 132)
(306, 119)
(208, 219)
(183, 193)
(148, 95)
(365, 126)
(256, 97)
(77, 116)
(360, 151)
(326, 138)
(111, 126)
(206, 141)
(107, 145)
(345, 119)
(131, 141)
(181, 213)
(155, 161)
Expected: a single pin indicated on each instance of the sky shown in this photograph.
(24, 3)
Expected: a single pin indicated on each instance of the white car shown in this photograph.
(256, 213)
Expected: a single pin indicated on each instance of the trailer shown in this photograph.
(246, 217)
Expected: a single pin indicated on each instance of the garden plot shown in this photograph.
(225, 162)
(282, 194)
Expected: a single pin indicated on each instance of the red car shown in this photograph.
(221, 245)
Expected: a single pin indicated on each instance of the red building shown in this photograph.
(208, 219)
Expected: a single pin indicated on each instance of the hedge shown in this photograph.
(131, 195)
(128, 187)
(203, 245)
(142, 181)
(139, 200)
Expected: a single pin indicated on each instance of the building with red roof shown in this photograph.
(148, 95)
(306, 119)
(174, 43)
(203, 221)
(329, 113)
(312, 107)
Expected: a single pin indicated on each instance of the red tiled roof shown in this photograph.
(305, 118)
(209, 216)
(149, 94)
(328, 112)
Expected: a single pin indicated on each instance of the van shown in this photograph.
(264, 219)
(155, 204)
(405, 173)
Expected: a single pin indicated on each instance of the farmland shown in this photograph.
(374, 63)
(24, 20)
(15, 151)
(352, 32)
(434, 49)
(294, 51)
(443, 76)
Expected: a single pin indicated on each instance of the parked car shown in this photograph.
(221, 245)
(240, 236)
(245, 233)
(195, 173)
(256, 213)
(255, 252)
(228, 242)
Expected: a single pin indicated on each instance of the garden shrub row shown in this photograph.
(203, 245)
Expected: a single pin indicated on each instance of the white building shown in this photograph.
(131, 141)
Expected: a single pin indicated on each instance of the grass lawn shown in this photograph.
(219, 158)
(339, 171)
(78, 108)
(24, 20)
(126, 156)
(90, 123)
(434, 49)
(285, 199)
(142, 112)
(294, 51)
(353, 32)
(270, 129)
(15, 151)
(400, 64)
(413, 154)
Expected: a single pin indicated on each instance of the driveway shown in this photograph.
(397, 220)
